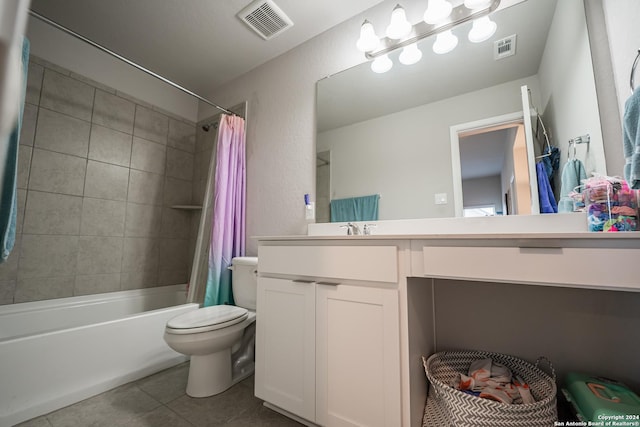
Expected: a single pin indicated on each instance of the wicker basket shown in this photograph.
(447, 406)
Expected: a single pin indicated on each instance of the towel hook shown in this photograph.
(633, 71)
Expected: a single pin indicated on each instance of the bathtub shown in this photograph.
(58, 352)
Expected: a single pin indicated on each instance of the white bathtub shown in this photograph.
(55, 353)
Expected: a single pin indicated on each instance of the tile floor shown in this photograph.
(160, 401)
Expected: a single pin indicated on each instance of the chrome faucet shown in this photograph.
(367, 229)
(352, 229)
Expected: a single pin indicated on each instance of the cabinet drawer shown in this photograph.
(589, 267)
(370, 263)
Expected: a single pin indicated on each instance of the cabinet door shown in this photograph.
(285, 345)
(358, 356)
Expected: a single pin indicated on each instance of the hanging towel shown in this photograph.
(572, 175)
(551, 162)
(631, 140)
(8, 192)
(545, 193)
(363, 208)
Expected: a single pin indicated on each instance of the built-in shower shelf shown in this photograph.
(187, 207)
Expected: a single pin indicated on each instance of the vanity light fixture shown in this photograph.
(445, 42)
(399, 27)
(410, 54)
(381, 64)
(483, 28)
(476, 4)
(368, 40)
(437, 11)
(439, 19)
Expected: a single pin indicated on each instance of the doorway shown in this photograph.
(491, 167)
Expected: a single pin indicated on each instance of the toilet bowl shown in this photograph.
(220, 339)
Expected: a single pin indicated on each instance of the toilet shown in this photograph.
(220, 339)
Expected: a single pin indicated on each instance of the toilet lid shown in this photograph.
(217, 315)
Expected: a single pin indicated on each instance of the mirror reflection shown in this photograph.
(412, 135)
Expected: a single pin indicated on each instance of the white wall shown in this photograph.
(406, 157)
(68, 52)
(572, 110)
(484, 191)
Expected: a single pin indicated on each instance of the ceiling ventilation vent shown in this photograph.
(265, 18)
(504, 47)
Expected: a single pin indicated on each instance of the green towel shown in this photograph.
(572, 175)
(363, 208)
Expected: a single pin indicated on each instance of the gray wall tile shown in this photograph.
(62, 133)
(66, 95)
(22, 202)
(96, 283)
(142, 220)
(148, 156)
(172, 277)
(24, 164)
(140, 254)
(179, 164)
(105, 181)
(28, 129)
(102, 217)
(57, 173)
(41, 288)
(99, 255)
(181, 136)
(173, 254)
(175, 223)
(47, 256)
(51, 213)
(110, 146)
(34, 83)
(7, 290)
(145, 187)
(139, 279)
(113, 112)
(177, 192)
(151, 125)
(9, 268)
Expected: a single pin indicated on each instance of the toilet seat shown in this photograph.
(206, 319)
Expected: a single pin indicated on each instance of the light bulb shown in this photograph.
(399, 26)
(410, 54)
(445, 42)
(381, 64)
(368, 40)
(483, 28)
(476, 4)
(437, 11)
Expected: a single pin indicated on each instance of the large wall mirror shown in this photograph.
(391, 134)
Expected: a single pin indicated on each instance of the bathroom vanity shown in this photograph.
(343, 321)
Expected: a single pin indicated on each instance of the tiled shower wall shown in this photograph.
(98, 174)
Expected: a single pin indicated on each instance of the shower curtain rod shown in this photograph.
(128, 61)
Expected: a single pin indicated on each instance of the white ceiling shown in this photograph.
(199, 44)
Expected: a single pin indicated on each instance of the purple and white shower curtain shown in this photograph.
(228, 227)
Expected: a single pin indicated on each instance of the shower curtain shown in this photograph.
(228, 227)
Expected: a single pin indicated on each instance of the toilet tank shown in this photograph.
(244, 281)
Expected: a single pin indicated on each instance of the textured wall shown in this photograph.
(98, 172)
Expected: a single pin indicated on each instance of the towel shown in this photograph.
(631, 140)
(545, 193)
(363, 208)
(572, 175)
(8, 191)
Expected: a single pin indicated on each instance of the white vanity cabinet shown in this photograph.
(357, 356)
(328, 335)
(285, 345)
